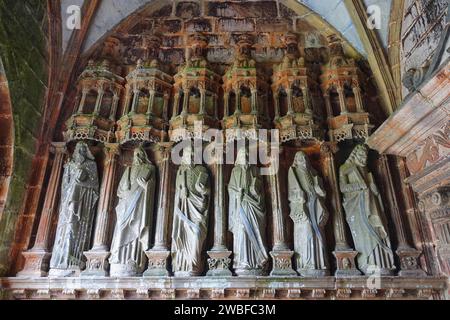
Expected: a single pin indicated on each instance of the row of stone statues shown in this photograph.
(247, 218)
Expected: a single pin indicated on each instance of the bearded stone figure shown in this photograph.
(79, 196)
(364, 212)
(247, 218)
(190, 219)
(309, 213)
(134, 217)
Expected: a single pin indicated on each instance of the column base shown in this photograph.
(157, 263)
(97, 264)
(36, 263)
(219, 264)
(409, 263)
(313, 273)
(282, 264)
(346, 264)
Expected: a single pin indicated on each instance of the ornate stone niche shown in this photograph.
(245, 93)
(196, 91)
(293, 84)
(341, 85)
(145, 114)
(99, 90)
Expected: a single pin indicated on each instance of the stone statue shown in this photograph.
(247, 218)
(190, 219)
(309, 213)
(79, 196)
(364, 212)
(134, 217)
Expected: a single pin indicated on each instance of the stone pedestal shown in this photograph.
(97, 264)
(36, 263)
(282, 264)
(409, 263)
(346, 265)
(219, 263)
(157, 263)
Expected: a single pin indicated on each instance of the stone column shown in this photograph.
(328, 106)
(37, 259)
(186, 97)
(276, 103)
(307, 100)
(342, 102)
(135, 103)
(226, 104)
(219, 261)
(202, 102)
(281, 254)
(237, 90)
(409, 264)
(358, 99)
(176, 104)
(127, 101)
(345, 255)
(289, 99)
(151, 102)
(83, 100)
(254, 101)
(159, 254)
(100, 94)
(97, 258)
(166, 106)
(112, 115)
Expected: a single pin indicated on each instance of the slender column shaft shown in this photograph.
(216, 106)
(238, 101)
(202, 102)
(166, 106)
(113, 112)
(339, 221)
(98, 103)
(254, 101)
(107, 197)
(185, 102)
(51, 198)
(127, 101)
(134, 106)
(226, 103)
(290, 104)
(307, 100)
(176, 103)
(358, 99)
(219, 209)
(276, 103)
(151, 102)
(162, 218)
(328, 107)
(279, 238)
(342, 101)
(83, 100)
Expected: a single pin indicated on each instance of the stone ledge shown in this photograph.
(330, 288)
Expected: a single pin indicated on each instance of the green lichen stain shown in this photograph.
(23, 53)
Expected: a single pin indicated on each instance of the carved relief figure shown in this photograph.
(247, 217)
(79, 196)
(134, 217)
(190, 219)
(308, 211)
(364, 211)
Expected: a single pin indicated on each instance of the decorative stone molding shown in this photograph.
(346, 264)
(219, 263)
(157, 263)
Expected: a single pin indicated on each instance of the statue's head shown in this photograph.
(359, 155)
(82, 153)
(140, 156)
(301, 160)
(241, 158)
(187, 156)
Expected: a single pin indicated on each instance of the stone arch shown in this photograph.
(6, 139)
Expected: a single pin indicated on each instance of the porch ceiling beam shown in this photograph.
(376, 54)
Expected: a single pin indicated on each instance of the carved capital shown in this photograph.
(282, 264)
(157, 263)
(96, 264)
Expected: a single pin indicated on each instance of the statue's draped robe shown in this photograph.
(364, 213)
(247, 218)
(310, 216)
(79, 196)
(190, 220)
(134, 217)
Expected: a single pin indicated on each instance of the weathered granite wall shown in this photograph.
(23, 52)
